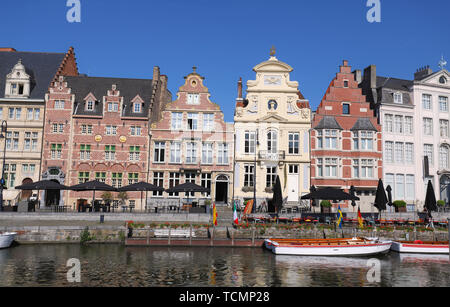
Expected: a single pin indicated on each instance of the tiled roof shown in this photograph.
(328, 122)
(363, 123)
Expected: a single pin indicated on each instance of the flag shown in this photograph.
(248, 207)
(214, 215)
(235, 216)
(360, 219)
(341, 218)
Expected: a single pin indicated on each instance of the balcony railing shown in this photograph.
(272, 156)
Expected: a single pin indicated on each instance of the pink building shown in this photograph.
(192, 143)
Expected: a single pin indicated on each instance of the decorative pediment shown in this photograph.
(90, 97)
(17, 82)
(439, 78)
(271, 118)
(137, 99)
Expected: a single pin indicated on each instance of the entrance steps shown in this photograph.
(224, 215)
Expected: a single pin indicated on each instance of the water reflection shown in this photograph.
(115, 265)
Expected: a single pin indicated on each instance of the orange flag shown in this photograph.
(214, 215)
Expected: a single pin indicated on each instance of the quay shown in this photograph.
(194, 242)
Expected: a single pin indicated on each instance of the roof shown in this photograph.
(82, 86)
(328, 122)
(394, 83)
(364, 123)
(41, 67)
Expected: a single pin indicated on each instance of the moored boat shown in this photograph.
(6, 239)
(328, 247)
(420, 247)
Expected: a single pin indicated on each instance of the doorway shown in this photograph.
(222, 189)
(52, 197)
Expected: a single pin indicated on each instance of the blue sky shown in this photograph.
(226, 39)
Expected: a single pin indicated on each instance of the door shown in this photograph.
(222, 189)
(293, 183)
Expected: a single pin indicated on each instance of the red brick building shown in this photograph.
(98, 129)
(346, 145)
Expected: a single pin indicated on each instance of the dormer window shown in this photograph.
(137, 108)
(398, 98)
(17, 82)
(90, 105)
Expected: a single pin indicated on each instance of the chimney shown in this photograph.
(156, 73)
(240, 88)
(358, 75)
(422, 73)
(7, 49)
(370, 76)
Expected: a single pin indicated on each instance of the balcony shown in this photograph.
(272, 156)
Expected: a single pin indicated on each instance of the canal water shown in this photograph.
(116, 265)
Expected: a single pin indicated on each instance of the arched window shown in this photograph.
(272, 141)
(443, 157)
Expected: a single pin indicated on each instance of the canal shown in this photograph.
(116, 265)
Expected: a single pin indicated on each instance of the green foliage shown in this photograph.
(326, 204)
(441, 203)
(85, 236)
(399, 203)
(121, 235)
(107, 197)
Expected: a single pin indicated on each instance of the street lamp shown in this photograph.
(4, 129)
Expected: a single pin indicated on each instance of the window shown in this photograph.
(355, 141)
(117, 180)
(100, 176)
(137, 107)
(37, 113)
(12, 140)
(29, 114)
(90, 105)
(271, 176)
(327, 169)
(355, 168)
(110, 152)
(409, 153)
(398, 124)
(136, 130)
(34, 141)
(443, 157)
(410, 187)
(206, 183)
(135, 153)
(443, 104)
(207, 153)
(133, 178)
(58, 128)
(327, 139)
(294, 143)
(389, 181)
(428, 126)
(250, 142)
(10, 175)
(175, 152)
(159, 152)
(86, 129)
(190, 177)
(27, 141)
(399, 152)
(293, 169)
(158, 180)
(389, 123)
(11, 113)
(59, 104)
(389, 152)
(56, 151)
(272, 142)
(367, 167)
(28, 169)
(177, 119)
(132, 203)
(428, 151)
(442, 80)
(83, 177)
(346, 109)
(191, 153)
(111, 130)
(113, 107)
(398, 98)
(85, 152)
(426, 102)
(208, 122)
(193, 99)
(443, 126)
(366, 140)
(222, 157)
(174, 180)
(408, 125)
(249, 173)
(192, 121)
(345, 83)
(400, 186)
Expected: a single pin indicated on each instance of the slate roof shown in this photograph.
(388, 86)
(394, 83)
(129, 88)
(328, 122)
(364, 123)
(41, 67)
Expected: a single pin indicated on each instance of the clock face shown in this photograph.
(272, 80)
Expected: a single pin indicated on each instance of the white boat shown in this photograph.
(420, 247)
(6, 239)
(328, 247)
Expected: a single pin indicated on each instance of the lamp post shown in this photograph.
(4, 129)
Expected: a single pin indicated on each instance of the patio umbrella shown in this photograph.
(330, 194)
(140, 187)
(94, 185)
(44, 185)
(389, 194)
(430, 199)
(277, 196)
(380, 198)
(313, 201)
(353, 193)
(188, 187)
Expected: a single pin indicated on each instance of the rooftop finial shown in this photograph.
(194, 69)
(273, 51)
(442, 63)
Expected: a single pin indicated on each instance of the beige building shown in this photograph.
(272, 126)
(24, 81)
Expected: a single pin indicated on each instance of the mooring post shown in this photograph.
(212, 237)
(190, 235)
(253, 237)
(148, 236)
(170, 228)
(232, 237)
(448, 227)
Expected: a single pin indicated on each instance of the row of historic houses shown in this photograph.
(71, 128)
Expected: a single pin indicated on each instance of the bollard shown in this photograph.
(102, 219)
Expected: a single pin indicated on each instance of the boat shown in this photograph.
(420, 247)
(6, 239)
(328, 247)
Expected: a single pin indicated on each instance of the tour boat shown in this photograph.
(6, 239)
(328, 247)
(420, 247)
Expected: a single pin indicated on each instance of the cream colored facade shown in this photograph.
(272, 127)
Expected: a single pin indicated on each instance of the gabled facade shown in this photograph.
(98, 129)
(192, 143)
(272, 126)
(24, 80)
(346, 146)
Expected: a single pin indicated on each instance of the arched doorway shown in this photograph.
(52, 197)
(26, 194)
(222, 183)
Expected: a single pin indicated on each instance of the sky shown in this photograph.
(226, 39)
